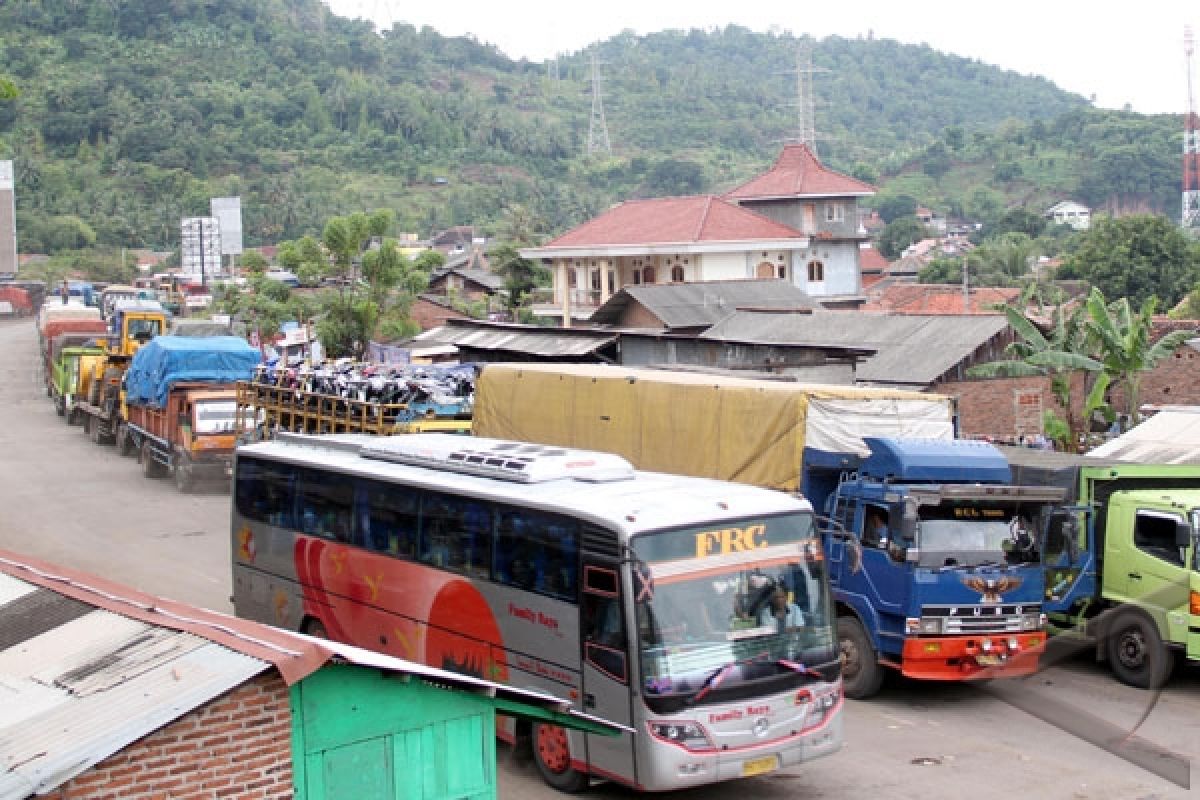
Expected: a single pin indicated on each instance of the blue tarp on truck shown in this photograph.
(167, 360)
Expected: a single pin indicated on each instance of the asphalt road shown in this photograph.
(65, 500)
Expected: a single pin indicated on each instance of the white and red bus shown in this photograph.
(694, 612)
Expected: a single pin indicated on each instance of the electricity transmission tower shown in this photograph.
(806, 128)
(1191, 148)
(598, 127)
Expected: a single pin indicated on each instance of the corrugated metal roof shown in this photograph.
(699, 305)
(911, 350)
(77, 692)
(531, 340)
(1169, 437)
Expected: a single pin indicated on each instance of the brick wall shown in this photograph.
(431, 315)
(235, 747)
(986, 406)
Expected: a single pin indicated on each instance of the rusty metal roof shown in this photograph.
(506, 337)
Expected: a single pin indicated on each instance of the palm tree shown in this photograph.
(1124, 342)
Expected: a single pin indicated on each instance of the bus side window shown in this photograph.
(389, 524)
(326, 504)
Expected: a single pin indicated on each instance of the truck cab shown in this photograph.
(949, 586)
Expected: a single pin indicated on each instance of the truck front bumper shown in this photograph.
(957, 658)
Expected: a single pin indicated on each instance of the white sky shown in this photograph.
(1120, 53)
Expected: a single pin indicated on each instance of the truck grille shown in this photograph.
(1003, 618)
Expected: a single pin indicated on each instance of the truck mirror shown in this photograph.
(1183, 534)
(912, 555)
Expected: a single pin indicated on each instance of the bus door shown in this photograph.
(606, 667)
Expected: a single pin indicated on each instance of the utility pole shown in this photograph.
(598, 127)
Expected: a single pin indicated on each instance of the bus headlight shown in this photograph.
(684, 733)
(824, 705)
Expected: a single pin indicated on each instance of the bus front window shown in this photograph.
(734, 618)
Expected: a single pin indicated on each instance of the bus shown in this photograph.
(695, 613)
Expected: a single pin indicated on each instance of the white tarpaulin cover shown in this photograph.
(839, 425)
(1169, 437)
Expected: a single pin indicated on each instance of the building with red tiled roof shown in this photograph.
(936, 298)
(798, 221)
(872, 265)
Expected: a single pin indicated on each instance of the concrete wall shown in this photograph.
(235, 747)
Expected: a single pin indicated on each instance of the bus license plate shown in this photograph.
(760, 766)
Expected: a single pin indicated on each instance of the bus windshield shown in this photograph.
(724, 619)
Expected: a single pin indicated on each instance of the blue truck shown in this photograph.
(933, 559)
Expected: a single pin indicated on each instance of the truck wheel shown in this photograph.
(861, 673)
(95, 431)
(150, 468)
(60, 406)
(552, 754)
(185, 479)
(125, 445)
(1136, 651)
(74, 417)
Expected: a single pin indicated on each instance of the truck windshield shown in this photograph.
(216, 416)
(973, 534)
(725, 620)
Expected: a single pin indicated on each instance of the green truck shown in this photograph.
(71, 359)
(1122, 559)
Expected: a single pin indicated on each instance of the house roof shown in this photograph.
(673, 221)
(798, 173)
(700, 305)
(533, 340)
(488, 280)
(927, 298)
(910, 350)
(89, 666)
(871, 260)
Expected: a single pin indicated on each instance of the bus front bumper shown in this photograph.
(957, 658)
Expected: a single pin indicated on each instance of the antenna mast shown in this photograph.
(598, 128)
(1191, 147)
(804, 96)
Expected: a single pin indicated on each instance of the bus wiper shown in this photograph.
(713, 680)
(797, 667)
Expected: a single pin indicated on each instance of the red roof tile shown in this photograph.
(670, 220)
(920, 298)
(798, 173)
(871, 260)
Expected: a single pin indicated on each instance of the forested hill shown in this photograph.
(134, 113)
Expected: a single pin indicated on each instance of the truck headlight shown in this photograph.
(1033, 622)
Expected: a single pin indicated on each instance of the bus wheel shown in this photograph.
(314, 627)
(552, 752)
(1136, 651)
(861, 674)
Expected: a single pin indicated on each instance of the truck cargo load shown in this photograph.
(166, 360)
(738, 429)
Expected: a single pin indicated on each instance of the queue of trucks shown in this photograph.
(983, 553)
(169, 400)
(949, 559)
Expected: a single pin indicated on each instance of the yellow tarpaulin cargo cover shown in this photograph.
(710, 426)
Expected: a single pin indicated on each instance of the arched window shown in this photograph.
(677, 274)
(648, 275)
(765, 271)
(816, 271)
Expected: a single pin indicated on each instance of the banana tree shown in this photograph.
(1123, 339)
(1063, 353)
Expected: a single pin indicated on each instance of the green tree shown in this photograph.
(1135, 257)
(1124, 343)
(254, 262)
(899, 234)
(892, 207)
(521, 276)
(8, 89)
